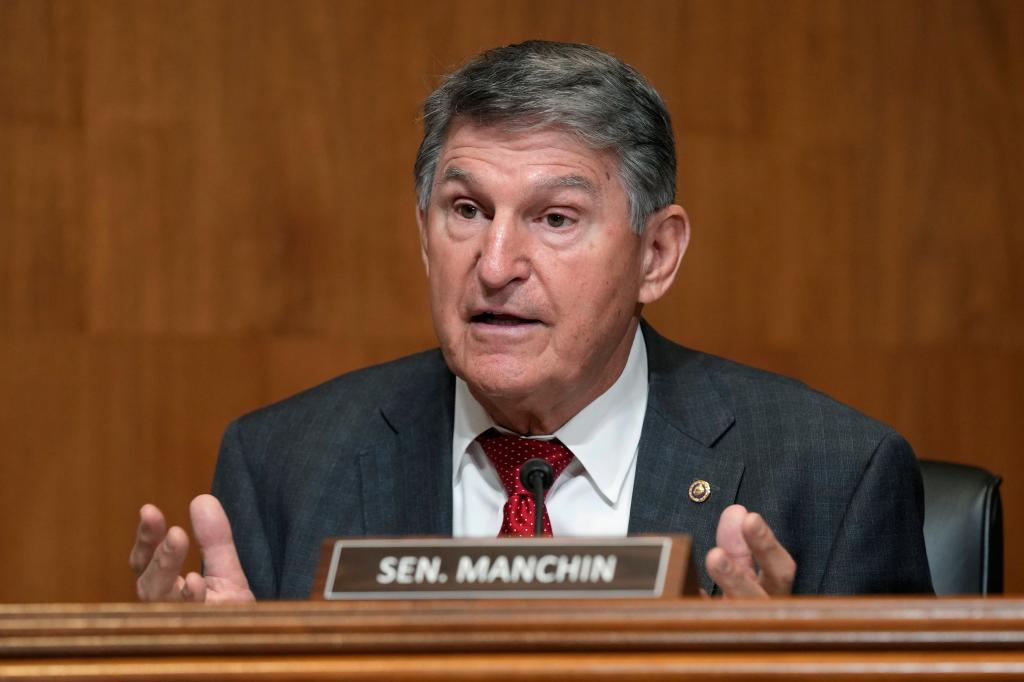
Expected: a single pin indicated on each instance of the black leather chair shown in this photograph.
(963, 528)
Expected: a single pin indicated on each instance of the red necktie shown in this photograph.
(509, 453)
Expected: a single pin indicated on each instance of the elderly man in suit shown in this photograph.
(546, 189)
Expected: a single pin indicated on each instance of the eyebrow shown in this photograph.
(454, 173)
(572, 182)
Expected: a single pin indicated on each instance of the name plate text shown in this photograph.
(554, 568)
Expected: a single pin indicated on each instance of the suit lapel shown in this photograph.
(407, 479)
(686, 415)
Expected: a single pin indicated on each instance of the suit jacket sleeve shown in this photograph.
(879, 547)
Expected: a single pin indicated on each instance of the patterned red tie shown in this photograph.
(509, 453)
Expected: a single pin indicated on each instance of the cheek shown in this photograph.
(449, 277)
(593, 306)
(604, 289)
(442, 259)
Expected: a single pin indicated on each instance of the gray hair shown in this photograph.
(606, 103)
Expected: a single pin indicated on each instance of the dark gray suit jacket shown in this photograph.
(369, 453)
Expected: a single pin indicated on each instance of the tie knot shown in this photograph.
(509, 452)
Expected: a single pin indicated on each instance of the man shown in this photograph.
(546, 182)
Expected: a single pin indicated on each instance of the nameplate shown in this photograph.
(504, 568)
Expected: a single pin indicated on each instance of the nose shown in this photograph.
(504, 253)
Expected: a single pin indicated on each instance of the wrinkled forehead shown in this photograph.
(528, 140)
(455, 173)
(529, 124)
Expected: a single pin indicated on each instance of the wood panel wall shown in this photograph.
(207, 205)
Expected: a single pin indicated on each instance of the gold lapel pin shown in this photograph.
(699, 491)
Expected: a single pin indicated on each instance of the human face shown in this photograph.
(534, 271)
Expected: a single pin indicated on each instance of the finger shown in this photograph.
(734, 579)
(151, 532)
(213, 533)
(729, 535)
(159, 582)
(194, 588)
(175, 593)
(778, 569)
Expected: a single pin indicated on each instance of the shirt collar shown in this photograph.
(603, 435)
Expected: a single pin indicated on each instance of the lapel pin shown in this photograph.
(699, 491)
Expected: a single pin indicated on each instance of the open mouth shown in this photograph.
(501, 319)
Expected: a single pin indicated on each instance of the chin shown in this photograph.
(500, 380)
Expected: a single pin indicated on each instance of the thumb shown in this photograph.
(730, 536)
(212, 531)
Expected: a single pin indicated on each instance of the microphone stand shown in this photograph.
(536, 475)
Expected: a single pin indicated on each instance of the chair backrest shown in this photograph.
(963, 528)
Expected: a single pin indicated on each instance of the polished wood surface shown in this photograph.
(922, 638)
(207, 205)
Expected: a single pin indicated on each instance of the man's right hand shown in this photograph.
(159, 553)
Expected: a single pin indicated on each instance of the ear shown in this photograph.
(421, 222)
(664, 242)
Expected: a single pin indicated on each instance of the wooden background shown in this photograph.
(206, 206)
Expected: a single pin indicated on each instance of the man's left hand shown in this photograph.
(748, 560)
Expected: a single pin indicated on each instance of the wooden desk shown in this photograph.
(797, 638)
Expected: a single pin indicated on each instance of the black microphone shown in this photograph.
(537, 476)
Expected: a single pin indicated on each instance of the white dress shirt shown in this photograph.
(593, 495)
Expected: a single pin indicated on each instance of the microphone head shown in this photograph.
(533, 468)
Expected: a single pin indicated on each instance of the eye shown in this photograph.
(556, 220)
(467, 211)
